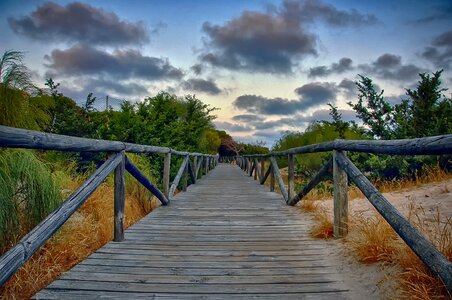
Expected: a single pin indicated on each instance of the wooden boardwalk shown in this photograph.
(227, 237)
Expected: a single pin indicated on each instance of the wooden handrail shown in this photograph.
(10, 137)
(13, 259)
(341, 166)
(433, 145)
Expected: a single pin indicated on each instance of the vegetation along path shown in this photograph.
(227, 237)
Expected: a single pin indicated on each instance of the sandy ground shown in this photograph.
(371, 281)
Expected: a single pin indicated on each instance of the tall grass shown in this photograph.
(28, 193)
(89, 228)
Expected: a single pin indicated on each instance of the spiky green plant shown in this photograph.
(29, 193)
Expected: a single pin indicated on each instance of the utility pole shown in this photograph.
(106, 103)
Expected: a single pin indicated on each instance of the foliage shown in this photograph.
(372, 108)
(317, 132)
(19, 104)
(339, 125)
(29, 192)
(426, 112)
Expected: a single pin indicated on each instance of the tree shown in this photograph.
(16, 89)
(338, 123)
(426, 112)
(372, 109)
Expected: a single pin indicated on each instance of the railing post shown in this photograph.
(166, 174)
(119, 196)
(195, 167)
(185, 179)
(290, 176)
(262, 167)
(272, 179)
(340, 199)
(207, 164)
(255, 169)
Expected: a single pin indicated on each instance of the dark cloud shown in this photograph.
(388, 60)
(309, 11)
(390, 66)
(202, 85)
(311, 95)
(227, 126)
(78, 22)
(349, 87)
(267, 106)
(197, 69)
(84, 60)
(247, 118)
(440, 51)
(344, 64)
(274, 41)
(441, 13)
(316, 93)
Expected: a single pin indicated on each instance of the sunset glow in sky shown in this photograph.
(269, 66)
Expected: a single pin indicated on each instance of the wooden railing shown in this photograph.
(343, 168)
(118, 163)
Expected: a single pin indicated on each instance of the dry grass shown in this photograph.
(373, 240)
(87, 230)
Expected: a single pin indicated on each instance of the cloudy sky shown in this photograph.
(270, 66)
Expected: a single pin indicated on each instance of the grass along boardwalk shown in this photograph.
(226, 237)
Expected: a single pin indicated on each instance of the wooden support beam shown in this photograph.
(340, 199)
(178, 177)
(264, 178)
(272, 178)
(262, 161)
(191, 171)
(166, 174)
(282, 187)
(424, 249)
(136, 173)
(199, 168)
(119, 195)
(185, 176)
(325, 171)
(290, 176)
(15, 257)
(257, 171)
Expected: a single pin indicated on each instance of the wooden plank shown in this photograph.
(178, 177)
(212, 243)
(191, 171)
(432, 258)
(277, 174)
(272, 178)
(185, 175)
(119, 198)
(166, 175)
(136, 173)
(340, 190)
(325, 171)
(433, 145)
(290, 177)
(28, 245)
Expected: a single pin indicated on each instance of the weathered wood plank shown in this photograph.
(178, 177)
(277, 174)
(213, 244)
(290, 177)
(340, 190)
(136, 173)
(166, 175)
(119, 200)
(28, 245)
(433, 145)
(423, 248)
(324, 172)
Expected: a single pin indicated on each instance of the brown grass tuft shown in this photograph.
(323, 229)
